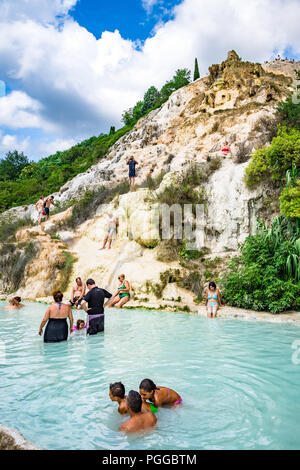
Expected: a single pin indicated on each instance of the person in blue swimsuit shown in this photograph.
(132, 162)
(213, 300)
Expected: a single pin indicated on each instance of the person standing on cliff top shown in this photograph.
(132, 175)
(47, 204)
(112, 228)
(40, 209)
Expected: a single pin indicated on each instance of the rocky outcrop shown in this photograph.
(235, 103)
(10, 439)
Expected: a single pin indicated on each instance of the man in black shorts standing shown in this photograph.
(93, 304)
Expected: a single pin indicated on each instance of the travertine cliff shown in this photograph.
(235, 103)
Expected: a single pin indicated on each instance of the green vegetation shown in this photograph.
(23, 182)
(153, 98)
(66, 267)
(274, 161)
(196, 70)
(9, 228)
(266, 275)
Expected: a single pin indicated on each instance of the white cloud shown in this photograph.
(39, 10)
(76, 86)
(149, 4)
(10, 142)
(50, 148)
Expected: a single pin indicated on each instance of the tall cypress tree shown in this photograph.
(196, 70)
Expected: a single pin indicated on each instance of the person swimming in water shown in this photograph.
(80, 325)
(139, 420)
(117, 393)
(113, 223)
(77, 292)
(122, 296)
(13, 305)
(212, 300)
(56, 318)
(18, 301)
(159, 396)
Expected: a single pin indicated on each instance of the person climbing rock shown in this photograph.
(40, 209)
(132, 175)
(47, 204)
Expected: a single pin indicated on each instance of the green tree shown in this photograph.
(112, 130)
(196, 70)
(181, 78)
(150, 98)
(12, 165)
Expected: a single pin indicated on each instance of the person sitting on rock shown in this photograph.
(139, 420)
(122, 296)
(77, 292)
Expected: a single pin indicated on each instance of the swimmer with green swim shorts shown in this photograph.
(122, 296)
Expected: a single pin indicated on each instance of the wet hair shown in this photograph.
(148, 385)
(117, 389)
(18, 299)
(79, 322)
(58, 296)
(134, 401)
(212, 284)
(90, 282)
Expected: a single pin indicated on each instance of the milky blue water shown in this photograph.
(239, 384)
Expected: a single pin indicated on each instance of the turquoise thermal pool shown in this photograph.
(239, 381)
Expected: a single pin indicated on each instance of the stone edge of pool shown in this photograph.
(11, 439)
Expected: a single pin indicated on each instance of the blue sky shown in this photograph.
(130, 17)
(71, 67)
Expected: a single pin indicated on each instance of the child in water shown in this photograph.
(80, 325)
(117, 393)
(158, 395)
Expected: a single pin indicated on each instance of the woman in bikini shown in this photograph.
(122, 296)
(158, 395)
(212, 300)
(56, 318)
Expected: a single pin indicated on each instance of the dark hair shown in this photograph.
(148, 385)
(78, 279)
(58, 296)
(117, 389)
(212, 284)
(90, 282)
(51, 197)
(18, 299)
(79, 322)
(134, 401)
